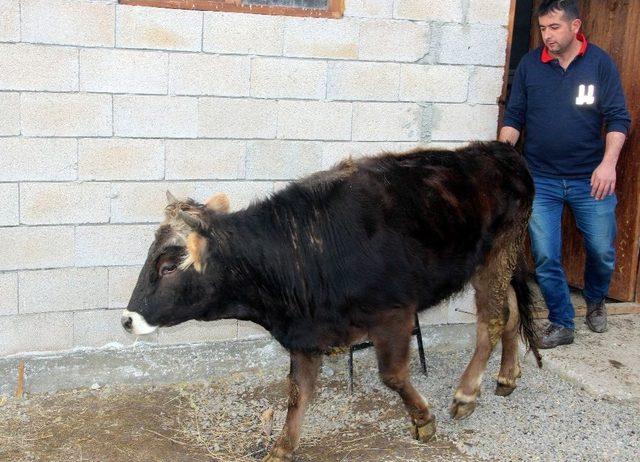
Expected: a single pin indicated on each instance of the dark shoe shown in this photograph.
(555, 335)
(597, 316)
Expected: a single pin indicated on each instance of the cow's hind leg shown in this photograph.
(510, 365)
(302, 381)
(391, 338)
(491, 282)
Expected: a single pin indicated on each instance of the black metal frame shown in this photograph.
(361, 346)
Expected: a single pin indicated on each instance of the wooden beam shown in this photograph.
(335, 8)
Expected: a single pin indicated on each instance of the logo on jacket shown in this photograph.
(585, 95)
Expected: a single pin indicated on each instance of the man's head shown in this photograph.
(559, 23)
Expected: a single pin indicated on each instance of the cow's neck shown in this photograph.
(262, 265)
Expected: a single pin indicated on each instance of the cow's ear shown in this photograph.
(218, 203)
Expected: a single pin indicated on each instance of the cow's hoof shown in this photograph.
(504, 390)
(278, 455)
(424, 432)
(460, 410)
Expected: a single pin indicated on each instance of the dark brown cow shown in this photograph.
(352, 252)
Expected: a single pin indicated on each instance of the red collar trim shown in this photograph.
(547, 57)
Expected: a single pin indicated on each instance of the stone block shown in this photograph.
(434, 83)
(65, 289)
(10, 21)
(122, 280)
(429, 10)
(397, 41)
(387, 121)
(36, 247)
(8, 294)
(288, 78)
(453, 122)
(112, 245)
(64, 203)
(36, 332)
(158, 28)
(9, 205)
(120, 159)
(205, 159)
(66, 114)
(473, 44)
(68, 22)
(30, 67)
(485, 86)
(314, 120)
(368, 9)
(489, 12)
(123, 71)
(321, 38)
(9, 114)
(242, 34)
(155, 116)
(358, 81)
(236, 118)
(205, 74)
(36, 159)
(274, 159)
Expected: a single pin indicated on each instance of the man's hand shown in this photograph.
(509, 135)
(603, 181)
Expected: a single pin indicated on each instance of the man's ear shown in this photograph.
(575, 25)
(218, 203)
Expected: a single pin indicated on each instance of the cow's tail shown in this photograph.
(525, 307)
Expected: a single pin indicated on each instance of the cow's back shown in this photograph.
(448, 206)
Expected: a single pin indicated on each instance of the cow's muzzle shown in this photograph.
(134, 322)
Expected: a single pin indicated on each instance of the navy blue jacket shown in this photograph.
(563, 120)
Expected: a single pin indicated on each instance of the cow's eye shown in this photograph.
(167, 268)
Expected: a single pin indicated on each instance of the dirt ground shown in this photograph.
(165, 423)
(583, 405)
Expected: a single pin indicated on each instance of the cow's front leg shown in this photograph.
(302, 381)
(391, 336)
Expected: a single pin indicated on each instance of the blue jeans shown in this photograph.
(596, 220)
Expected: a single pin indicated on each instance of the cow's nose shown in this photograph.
(126, 322)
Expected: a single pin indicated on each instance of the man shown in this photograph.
(562, 93)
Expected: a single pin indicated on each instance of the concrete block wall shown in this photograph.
(103, 107)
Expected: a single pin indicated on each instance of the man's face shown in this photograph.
(557, 32)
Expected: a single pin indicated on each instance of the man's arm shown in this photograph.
(514, 115)
(617, 122)
(603, 178)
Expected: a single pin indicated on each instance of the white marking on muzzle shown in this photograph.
(138, 325)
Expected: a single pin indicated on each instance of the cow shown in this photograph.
(355, 252)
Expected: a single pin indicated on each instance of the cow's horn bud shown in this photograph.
(171, 198)
(191, 220)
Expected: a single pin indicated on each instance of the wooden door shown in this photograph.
(614, 26)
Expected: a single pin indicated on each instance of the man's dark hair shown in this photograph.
(569, 8)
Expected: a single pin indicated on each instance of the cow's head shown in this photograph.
(176, 283)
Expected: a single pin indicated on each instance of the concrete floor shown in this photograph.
(606, 365)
